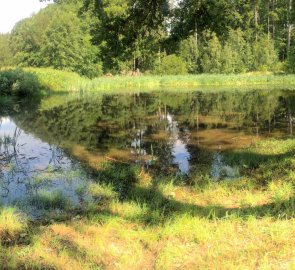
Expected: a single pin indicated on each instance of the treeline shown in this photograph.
(93, 37)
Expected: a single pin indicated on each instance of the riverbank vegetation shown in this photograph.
(132, 215)
(145, 221)
(17, 82)
(51, 80)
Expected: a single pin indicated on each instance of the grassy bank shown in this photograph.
(68, 81)
(63, 81)
(139, 220)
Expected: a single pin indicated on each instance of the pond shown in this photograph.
(50, 148)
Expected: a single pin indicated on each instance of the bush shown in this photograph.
(264, 54)
(19, 83)
(171, 65)
(290, 65)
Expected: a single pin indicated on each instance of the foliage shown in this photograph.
(189, 52)
(171, 65)
(66, 47)
(264, 54)
(93, 37)
(291, 60)
(56, 37)
(211, 54)
(236, 53)
(19, 83)
(5, 51)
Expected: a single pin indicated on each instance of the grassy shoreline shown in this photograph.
(58, 81)
(61, 81)
(161, 223)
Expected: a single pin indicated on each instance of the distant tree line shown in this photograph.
(92, 37)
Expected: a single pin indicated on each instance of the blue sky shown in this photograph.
(12, 11)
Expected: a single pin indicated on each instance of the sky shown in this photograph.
(12, 11)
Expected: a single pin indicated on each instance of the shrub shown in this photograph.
(171, 65)
(264, 54)
(19, 83)
(211, 54)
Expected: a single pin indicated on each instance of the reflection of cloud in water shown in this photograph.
(27, 165)
(179, 150)
(181, 156)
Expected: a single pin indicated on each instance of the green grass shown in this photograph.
(12, 224)
(139, 220)
(62, 81)
(47, 200)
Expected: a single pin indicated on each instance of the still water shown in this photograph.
(164, 132)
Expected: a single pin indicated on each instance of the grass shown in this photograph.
(12, 224)
(62, 81)
(47, 200)
(139, 220)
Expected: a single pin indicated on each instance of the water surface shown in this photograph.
(163, 132)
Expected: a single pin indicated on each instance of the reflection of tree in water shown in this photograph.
(135, 122)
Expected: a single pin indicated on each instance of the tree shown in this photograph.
(5, 52)
(171, 65)
(211, 54)
(56, 37)
(189, 53)
(236, 53)
(66, 47)
(264, 54)
(127, 31)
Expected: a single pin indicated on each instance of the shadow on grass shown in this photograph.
(156, 209)
(159, 208)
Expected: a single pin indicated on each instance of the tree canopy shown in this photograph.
(118, 36)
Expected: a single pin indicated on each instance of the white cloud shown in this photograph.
(12, 11)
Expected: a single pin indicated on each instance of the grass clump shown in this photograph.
(12, 224)
(47, 200)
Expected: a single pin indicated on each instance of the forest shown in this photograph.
(95, 37)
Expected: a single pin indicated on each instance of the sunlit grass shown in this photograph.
(138, 220)
(62, 81)
(12, 224)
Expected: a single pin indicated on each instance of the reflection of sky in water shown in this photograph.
(179, 150)
(28, 165)
(181, 156)
(180, 153)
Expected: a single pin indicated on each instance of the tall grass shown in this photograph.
(12, 224)
(62, 81)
